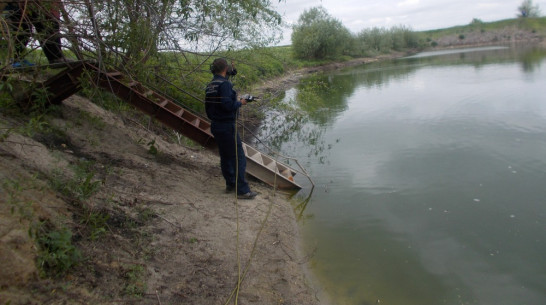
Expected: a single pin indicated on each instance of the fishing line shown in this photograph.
(241, 276)
(237, 212)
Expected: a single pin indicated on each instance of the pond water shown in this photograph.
(430, 177)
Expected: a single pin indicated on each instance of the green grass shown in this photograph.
(56, 254)
(190, 72)
(95, 221)
(135, 285)
(537, 25)
(13, 190)
(82, 186)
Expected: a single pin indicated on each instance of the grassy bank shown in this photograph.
(479, 32)
(537, 25)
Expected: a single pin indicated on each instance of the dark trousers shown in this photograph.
(47, 31)
(232, 156)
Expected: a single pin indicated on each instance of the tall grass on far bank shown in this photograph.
(375, 41)
(534, 25)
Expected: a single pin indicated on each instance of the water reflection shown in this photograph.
(532, 60)
(305, 112)
(430, 177)
(322, 98)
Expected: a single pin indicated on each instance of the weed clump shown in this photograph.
(82, 186)
(57, 254)
(136, 285)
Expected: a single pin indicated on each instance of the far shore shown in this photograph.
(292, 77)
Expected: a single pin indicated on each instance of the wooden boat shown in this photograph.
(269, 170)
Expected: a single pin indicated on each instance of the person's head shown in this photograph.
(219, 66)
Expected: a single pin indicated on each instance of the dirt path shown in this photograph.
(171, 232)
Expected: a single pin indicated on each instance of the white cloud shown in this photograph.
(408, 3)
(420, 15)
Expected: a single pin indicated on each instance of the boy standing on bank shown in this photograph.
(222, 108)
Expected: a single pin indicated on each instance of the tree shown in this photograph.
(528, 10)
(317, 35)
(130, 32)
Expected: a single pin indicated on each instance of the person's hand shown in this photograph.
(243, 101)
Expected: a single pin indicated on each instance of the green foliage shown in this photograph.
(6, 86)
(14, 189)
(4, 134)
(94, 121)
(381, 40)
(32, 119)
(528, 10)
(101, 97)
(87, 187)
(135, 33)
(146, 214)
(35, 125)
(136, 286)
(536, 25)
(317, 35)
(40, 102)
(152, 149)
(476, 22)
(7, 103)
(183, 77)
(82, 186)
(95, 221)
(56, 253)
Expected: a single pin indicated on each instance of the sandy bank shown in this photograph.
(170, 236)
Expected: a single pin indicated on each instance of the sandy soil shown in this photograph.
(172, 236)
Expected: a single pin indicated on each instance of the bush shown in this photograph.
(318, 36)
(382, 40)
(57, 254)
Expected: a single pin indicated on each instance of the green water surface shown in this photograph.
(430, 177)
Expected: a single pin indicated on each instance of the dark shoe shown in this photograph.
(230, 189)
(249, 195)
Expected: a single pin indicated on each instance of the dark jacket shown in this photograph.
(221, 102)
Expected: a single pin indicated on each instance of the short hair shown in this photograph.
(218, 65)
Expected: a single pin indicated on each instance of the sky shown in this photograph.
(417, 14)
